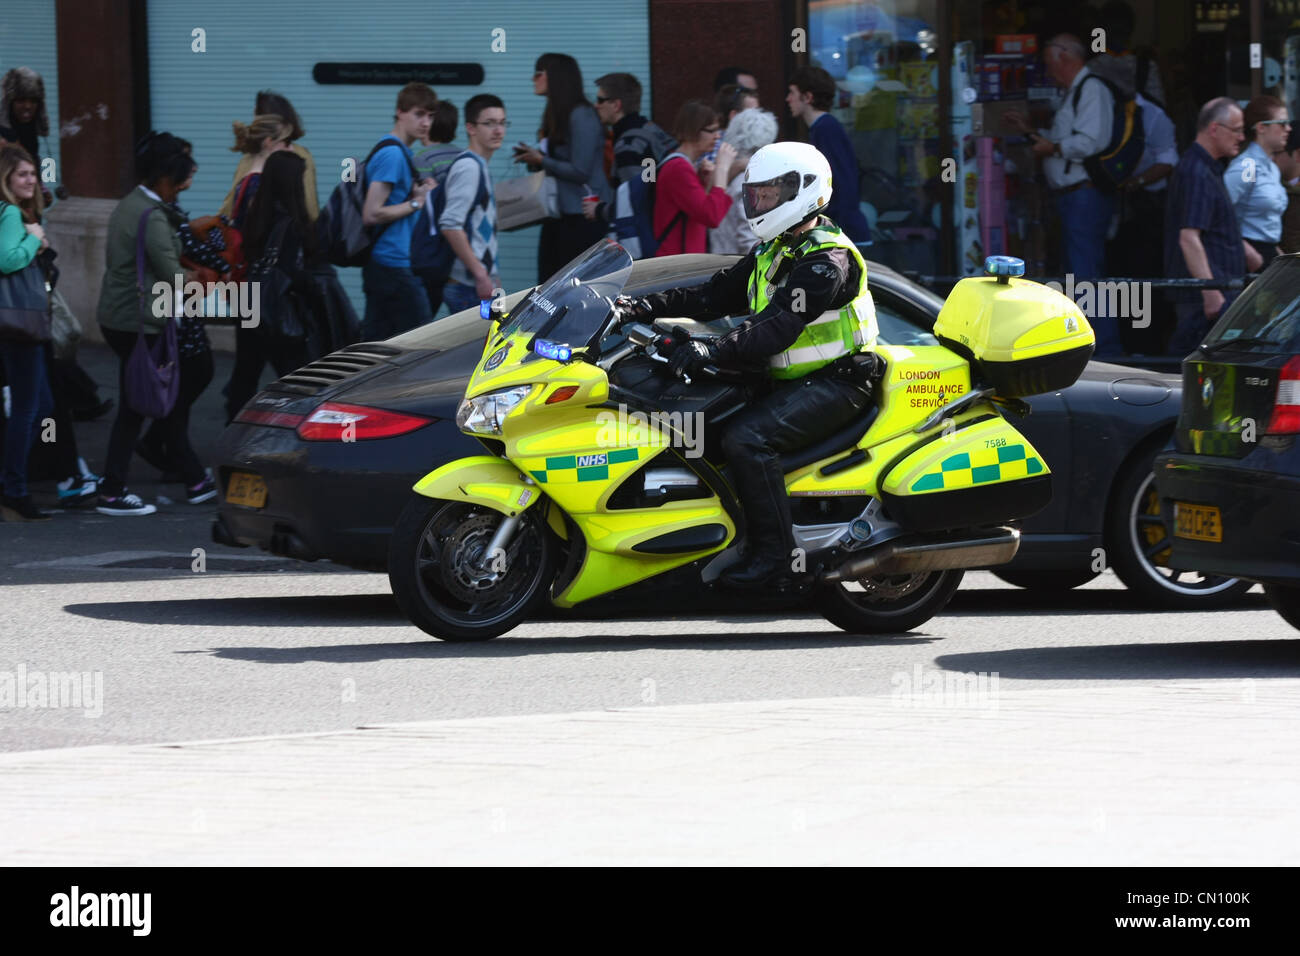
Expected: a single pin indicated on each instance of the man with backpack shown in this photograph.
(467, 222)
(394, 195)
(636, 139)
(1081, 132)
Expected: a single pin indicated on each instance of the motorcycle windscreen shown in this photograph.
(572, 307)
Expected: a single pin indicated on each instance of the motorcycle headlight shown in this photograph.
(483, 414)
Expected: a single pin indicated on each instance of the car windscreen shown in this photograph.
(1266, 317)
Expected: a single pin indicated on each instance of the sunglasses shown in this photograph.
(604, 99)
(1281, 122)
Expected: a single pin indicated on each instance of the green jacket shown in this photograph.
(119, 304)
(18, 247)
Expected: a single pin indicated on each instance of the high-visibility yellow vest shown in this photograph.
(834, 333)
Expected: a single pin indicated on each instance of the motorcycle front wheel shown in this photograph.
(886, 603)
(448, 584)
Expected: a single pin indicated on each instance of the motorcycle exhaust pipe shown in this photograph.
(982, 549)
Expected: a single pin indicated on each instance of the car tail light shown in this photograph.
(255, 416)
(1286, 407)
(334, 421)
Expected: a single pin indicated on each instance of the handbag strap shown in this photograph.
(139, 259)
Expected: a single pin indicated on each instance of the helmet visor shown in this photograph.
(761, 198)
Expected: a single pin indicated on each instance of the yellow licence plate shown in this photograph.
(1197, 522)
(246, 489)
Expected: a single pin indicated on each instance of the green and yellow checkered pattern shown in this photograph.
(980, 467)
(570, 469)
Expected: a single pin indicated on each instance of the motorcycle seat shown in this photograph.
(841, 441)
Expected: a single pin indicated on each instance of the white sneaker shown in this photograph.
(123, 505)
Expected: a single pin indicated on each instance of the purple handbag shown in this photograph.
(153, 378)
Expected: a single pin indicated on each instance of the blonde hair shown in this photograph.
(250, 137)
(11, 157)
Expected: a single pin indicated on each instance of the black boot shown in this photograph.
(761, 570)
(21, 509)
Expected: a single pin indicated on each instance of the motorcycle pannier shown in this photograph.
(1021, 337)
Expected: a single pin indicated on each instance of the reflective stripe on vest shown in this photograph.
(834, 333)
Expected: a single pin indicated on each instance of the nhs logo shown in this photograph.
(586, 461)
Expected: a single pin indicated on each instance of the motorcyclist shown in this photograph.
(805, 284)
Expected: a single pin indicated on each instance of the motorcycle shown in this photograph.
(603, 471)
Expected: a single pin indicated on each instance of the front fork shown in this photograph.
(494, 558)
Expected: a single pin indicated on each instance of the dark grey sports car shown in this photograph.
(291, 487)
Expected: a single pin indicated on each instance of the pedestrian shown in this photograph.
(437, 150)
(23, 117)
(270, 102)
(739, 75)
(194, 353)
(685, 208)
(1288, 163)
(1202, 236)
(1079, 130)
(432, 161)
(730, 100)
(163, 165)
(811, 92)
(21, 239)
(1138, 246)
(469, 215)
(571, 151)
(1132, 71)
(635, 138)
(277, 230)
(1254, 181)
(750, 131)
(266, 134)
(395, 296)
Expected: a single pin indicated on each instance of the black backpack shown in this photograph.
(342, 232)
(431, 253)
(1120, 157)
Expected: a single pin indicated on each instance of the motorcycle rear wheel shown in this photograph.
(886, 604)
(442, 581)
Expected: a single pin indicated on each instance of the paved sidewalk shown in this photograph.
(1194, 774)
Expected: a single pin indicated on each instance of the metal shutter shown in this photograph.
(252, 45)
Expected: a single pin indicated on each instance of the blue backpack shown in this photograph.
(634, 212)
(431, 253)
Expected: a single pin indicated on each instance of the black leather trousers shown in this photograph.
(793, 416)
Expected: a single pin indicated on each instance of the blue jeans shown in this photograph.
(1085, 217)
(395, 301)
(30, 402)
(459, 296)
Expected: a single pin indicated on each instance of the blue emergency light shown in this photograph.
(552, 350)
(485, 309)
(1004, 267)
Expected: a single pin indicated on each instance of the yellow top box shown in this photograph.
(1020, 336)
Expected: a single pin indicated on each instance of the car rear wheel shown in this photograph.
(1059, 580)
(446, 582)
(1137, 547)
(886, 603)
(1286, 601)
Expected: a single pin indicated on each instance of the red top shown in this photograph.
(679, 188)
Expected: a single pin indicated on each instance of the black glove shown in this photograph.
(634, 309)
(689, 358)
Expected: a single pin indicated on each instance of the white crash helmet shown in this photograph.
(785, 184)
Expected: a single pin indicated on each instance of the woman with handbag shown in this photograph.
(281, 248)
(194, 351)
(574, 156)
(141, 328)
(24, 325)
